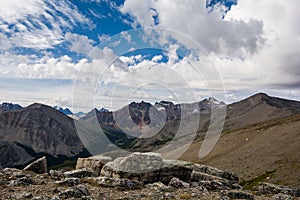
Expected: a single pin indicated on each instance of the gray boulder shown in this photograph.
(124, 184)
(216, 172)
(282, 197)
(80, 173)
(137, 166)
(95, 162)
(39, 166)
(177, 183)
(159, 186)
(268, 188)
(68, 182)
(200, 177)
(56, 174)
(70, 193)
(213, 185)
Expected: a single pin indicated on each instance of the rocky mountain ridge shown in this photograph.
(39, 130)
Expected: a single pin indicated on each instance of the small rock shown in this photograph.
(281, 196)
(13, 173)
(83, 189)
(177, 183)
(237, 194)
(24, 181)
(169, 195)
(39, 166)
(23, 195)
(56, 174)
(159, 186)
(71, 192)
(68, 182)
(80, 173)
(119, 183)
(185, 196)
(212, 185)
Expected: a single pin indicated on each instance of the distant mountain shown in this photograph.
(103, 110)
(66, 111)
(259, 108)
(41, 130)
(150, 126)
(9, 107)
(38, 130)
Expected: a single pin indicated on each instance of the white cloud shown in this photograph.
(233, 37)
(4, 42)
(79, 43)
(276, 65)
(157, 58)
(126, 36)
(254, 49)
(38, 24)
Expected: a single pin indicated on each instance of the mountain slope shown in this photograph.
(155, 125)
(268, 149)
(258, 108)
(40, 129)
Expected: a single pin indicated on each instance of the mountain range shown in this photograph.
(27, 133)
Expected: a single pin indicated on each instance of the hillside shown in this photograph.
(35, 130)
(258, 108)
(268, 149)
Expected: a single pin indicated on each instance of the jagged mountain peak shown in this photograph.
(9, 107)
(66, 111)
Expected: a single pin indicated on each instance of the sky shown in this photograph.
(98, 53)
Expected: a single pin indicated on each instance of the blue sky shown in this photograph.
(99, 53)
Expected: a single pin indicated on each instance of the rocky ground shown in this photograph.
(173, 180)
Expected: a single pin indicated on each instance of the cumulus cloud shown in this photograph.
(276, 66)
(79, 43)
(253, 49)
(233, 37)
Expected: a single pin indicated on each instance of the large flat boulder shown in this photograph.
(39, 166)
(95, 162)
(137, 166)
(151, 168)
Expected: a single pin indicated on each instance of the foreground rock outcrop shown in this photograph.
(150, 168)
(39, 166)
(95, 162)
(157, 179)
